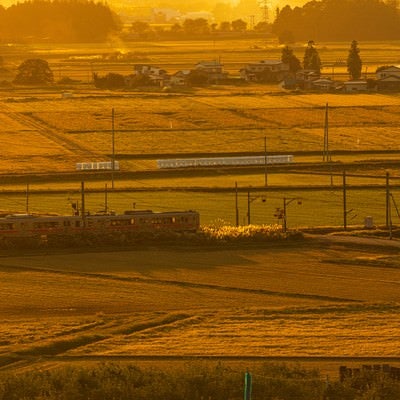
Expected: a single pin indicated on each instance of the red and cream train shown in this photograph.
(44, 226)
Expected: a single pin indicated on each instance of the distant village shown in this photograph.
(387, 78)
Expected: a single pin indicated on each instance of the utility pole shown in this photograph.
(264, 7)
(27, 199)
(83, 211)
(387, 201)
(236, 204)
(286, 202)
(326, 156)
(284, 215)
(105, 199)
(113, 149)
(344, 202)
(248, 207)
(265, 163)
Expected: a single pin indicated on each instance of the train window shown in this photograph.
(121, 222)
(45, 224)
(77, 224)
(67, 223)
(6, 226)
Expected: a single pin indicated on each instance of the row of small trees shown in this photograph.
(312, 60)
(195, 27)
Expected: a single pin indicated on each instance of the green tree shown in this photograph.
(354, 63)
(140, 27)
(289, 58)
(311, 58)
(110, 81)
(34, 71)
(239, 25)
(197, 78)
(262, 26)
(225, 26)
(198, 26)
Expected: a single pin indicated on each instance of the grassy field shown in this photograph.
(302, 300)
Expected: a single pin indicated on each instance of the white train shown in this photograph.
(223, 161)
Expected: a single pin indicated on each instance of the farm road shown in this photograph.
(69, 145)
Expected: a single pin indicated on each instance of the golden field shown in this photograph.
(300, 300)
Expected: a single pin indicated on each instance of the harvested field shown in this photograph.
(178, 302)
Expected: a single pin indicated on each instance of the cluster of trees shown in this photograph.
(194, 381)
(58, 21)
(312, 60)
(339, 20)
(194, 27)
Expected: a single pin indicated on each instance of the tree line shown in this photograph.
(339, 20)
(87, 21)
(57, 21)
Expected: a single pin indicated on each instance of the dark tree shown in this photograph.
(311, 58)
(34, 72)
(110, 81)
(198, 26)
(262, 26)
(286, 37)
(58, 21)
(354, 63)
(197, 77)
(289, 58)
(340, 20)
(140, 27)
(225, 26)
(239, 25)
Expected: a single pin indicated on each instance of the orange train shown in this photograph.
(21, 226)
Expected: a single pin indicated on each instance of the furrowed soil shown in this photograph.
(321, 303)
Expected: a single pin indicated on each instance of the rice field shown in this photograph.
(303, 299)
(293, 301)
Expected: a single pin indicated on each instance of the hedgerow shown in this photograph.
(209, 235)
(193, 381)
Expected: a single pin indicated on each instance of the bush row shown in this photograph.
(207, 235)
(194, 381)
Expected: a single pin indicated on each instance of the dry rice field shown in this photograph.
(311, 299)
(61, 132)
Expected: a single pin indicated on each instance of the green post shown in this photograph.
(247, 386)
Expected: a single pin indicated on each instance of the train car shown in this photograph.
(20, 226)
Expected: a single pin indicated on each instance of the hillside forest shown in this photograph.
(327, 20)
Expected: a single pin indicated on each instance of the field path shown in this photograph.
(70, 146)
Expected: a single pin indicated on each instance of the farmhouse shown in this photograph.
(388, 78)
(306, 77)
(265, 71)
(213, 69)
(180, 78)
(355, 86)
(322, 84)
(156, 75)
